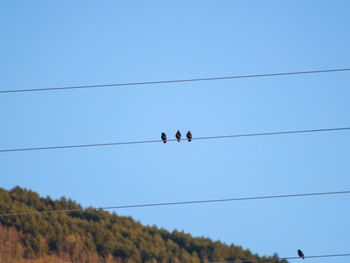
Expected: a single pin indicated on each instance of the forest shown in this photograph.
(98, 236)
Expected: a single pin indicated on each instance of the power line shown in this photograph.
(282, 258)
(177, 81)
(172, 140)
(177, 203)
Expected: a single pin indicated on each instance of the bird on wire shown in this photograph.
(189, 136)
(301, 254)
(163, 137)
(178, 136)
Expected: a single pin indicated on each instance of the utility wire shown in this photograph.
(177, 203)
(178, 80)
(279, 259)
(172, 140)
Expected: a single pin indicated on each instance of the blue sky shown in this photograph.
(64, 43)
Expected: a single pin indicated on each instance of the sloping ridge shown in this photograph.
(98, 236)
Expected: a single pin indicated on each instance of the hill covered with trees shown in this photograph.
(98, 236)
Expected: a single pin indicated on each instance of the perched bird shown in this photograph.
(178, 135)
(301, 254)
(163, 137)
(189, 136)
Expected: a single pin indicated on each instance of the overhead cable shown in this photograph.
(172, 140)
(280, 258)
(176, 203)
(177, 81)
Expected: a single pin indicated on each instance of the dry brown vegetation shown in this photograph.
(97, 236)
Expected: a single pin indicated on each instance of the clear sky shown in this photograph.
(62, 43)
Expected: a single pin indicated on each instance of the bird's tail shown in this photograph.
(164, 141)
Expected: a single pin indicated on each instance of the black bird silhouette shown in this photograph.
(301, 254)
(189, 136)
(178, 135)
(163, 137)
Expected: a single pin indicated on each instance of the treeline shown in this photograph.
(97, 236)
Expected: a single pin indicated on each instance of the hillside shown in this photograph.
(97, 236)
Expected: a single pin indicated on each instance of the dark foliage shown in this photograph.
(99, 236)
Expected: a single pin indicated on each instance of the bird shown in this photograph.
(301, 254)
(178, 135)
(163, 137)
(189, 136)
